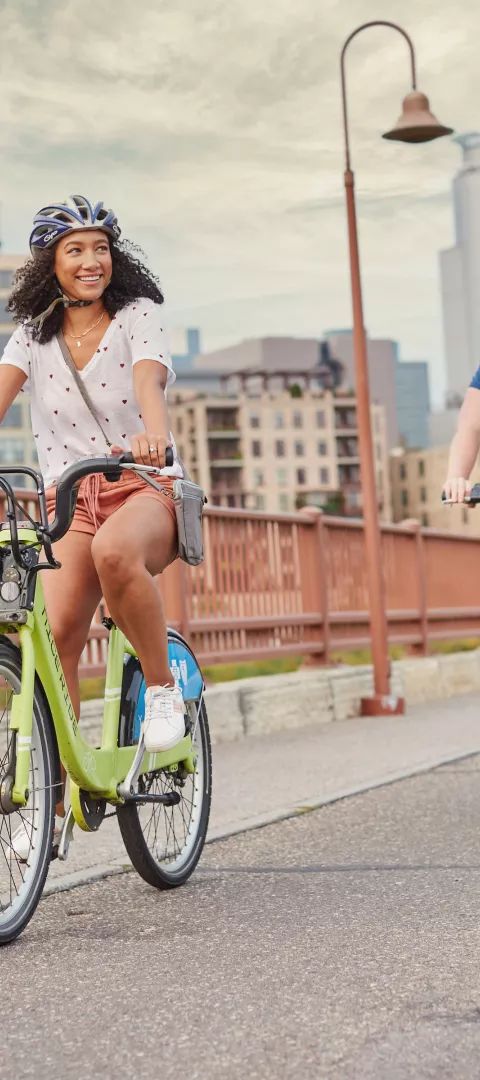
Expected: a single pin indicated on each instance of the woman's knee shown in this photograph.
(115, 562)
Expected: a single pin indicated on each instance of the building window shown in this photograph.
(423, 495)
(279, 420)
(258, 478)
(279, 448)
(281, 477)
(179, 425)
(256, 448)
(297, 420)
(301, 476)
(320, 418)
(322, 449)
(404, 497)
(421, 467)
(13, 418)
(283, 503)
(299, 449)
(254, 420)
(324, 476)
(425, 520)
(403, 472)
(260, 502)
(11, 451)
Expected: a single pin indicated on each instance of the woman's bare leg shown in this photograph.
(136, 542)
(72, 595)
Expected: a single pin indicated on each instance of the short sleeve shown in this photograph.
(476, 380)
(149, 336)
(17, 351)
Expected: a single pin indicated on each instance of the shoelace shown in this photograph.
(157, 698)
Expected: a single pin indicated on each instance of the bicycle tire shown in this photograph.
(21, 881)
(158, 866)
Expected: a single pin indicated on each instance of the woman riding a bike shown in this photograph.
(84, 283)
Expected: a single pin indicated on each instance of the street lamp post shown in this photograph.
(416, 124)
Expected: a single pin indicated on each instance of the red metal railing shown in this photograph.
(279, 584)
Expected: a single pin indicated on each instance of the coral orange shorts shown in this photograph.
(99, 498)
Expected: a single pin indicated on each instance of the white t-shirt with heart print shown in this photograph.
(63, 427)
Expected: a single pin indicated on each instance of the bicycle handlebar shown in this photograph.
(472, 499)
(67, 487)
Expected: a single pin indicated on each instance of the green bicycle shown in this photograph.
(162, 800)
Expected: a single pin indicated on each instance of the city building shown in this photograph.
(185, 346)
(400, 386)
(382, 366)
(16, 440)
(412, 394)
(276, 441)
(460, 273)
(417, 479)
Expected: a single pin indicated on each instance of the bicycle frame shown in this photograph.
(100, 770)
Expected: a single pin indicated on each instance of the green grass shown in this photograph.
(248, 668)
(91, 689)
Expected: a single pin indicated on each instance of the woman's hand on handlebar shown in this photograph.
(456, 489)
(146, 449)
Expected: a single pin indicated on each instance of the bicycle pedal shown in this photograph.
(65, 836)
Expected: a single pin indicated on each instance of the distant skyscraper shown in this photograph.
(413, 403)
(185, 345)
(460, 273)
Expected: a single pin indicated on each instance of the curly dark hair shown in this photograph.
(35, 287)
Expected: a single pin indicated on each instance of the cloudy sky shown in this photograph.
(213, 127)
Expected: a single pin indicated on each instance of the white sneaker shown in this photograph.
(21, 843)
(164, 723)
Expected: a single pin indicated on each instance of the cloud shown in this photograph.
(215, 131)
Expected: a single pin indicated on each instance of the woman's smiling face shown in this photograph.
(83, 264)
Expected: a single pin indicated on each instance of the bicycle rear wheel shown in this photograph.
(25, 833)
(164, 843)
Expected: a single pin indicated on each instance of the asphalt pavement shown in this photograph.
(342, 942)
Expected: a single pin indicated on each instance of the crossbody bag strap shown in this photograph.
(67, 356)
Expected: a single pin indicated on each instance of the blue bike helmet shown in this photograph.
(55, 221)
(59, 219)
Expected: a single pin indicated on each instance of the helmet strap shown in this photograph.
(40, 319)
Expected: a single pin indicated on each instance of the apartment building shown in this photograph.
(274, 445)
(16, 441)
(417, 478)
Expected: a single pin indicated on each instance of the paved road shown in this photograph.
(341, 944)
(306, 767)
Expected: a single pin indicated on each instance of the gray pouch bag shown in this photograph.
(189, 500)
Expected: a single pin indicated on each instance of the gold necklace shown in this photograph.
(77, 337)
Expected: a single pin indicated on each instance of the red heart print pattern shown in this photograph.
(104, 384)
(124, 436)
(124, 401)
(122, 365)
(67, 388)
(50, 376)
(56, 412)
(92, 438)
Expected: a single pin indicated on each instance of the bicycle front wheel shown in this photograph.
(25, 832)
(165, 842)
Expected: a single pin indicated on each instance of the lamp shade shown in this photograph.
(417, 123)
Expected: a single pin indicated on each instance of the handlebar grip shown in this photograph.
(127, 458)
